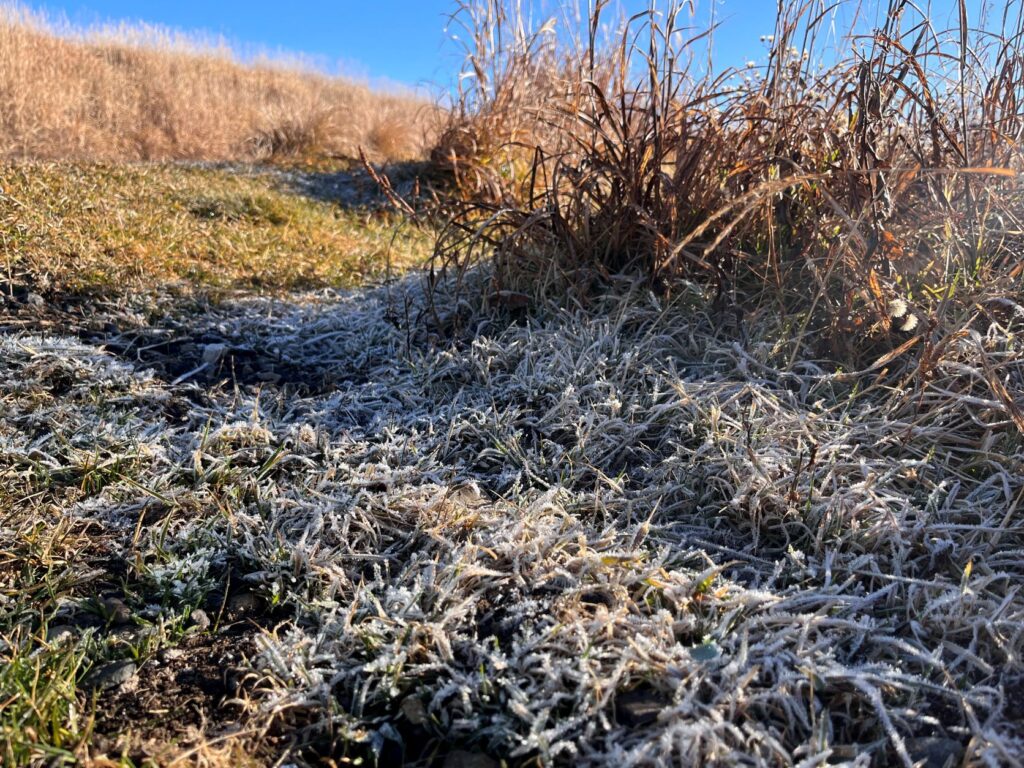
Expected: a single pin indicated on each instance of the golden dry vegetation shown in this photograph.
(141, 93)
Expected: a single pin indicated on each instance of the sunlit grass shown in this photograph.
(74, 228)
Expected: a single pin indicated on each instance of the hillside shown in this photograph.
(141, 93)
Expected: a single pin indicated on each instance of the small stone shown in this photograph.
(116, 610)
(935, 752)
(414, 710)
(112, 675)
(60, 633)
(200, 620)
(213, 352)
(461, 759)
(34, 300)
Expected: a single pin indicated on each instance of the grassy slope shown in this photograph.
(136, 92)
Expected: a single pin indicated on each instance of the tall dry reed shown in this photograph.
(865, 195)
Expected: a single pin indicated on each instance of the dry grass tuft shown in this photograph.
(141, 93)
(875, 197)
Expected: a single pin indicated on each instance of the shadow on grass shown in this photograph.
(352, 188)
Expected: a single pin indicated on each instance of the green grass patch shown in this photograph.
(83, 228)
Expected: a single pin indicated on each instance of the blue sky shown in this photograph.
(399, 40)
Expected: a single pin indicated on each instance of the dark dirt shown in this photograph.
(198, 687)
(211, 358)
(172, 350)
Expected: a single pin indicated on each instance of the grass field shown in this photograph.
(135, 92)
(337, 524)
(117, 257)
(669, 426)
(76, 228)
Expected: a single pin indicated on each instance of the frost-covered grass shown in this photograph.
(630, 536)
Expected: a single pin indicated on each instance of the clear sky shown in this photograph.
(398, 40)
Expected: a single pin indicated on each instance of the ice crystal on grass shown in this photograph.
(615, 538)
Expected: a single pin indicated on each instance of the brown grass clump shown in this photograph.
(141, 93)
(873, 196)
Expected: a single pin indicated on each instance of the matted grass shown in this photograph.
(629, 536)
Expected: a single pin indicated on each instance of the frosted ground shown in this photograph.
(627, 536)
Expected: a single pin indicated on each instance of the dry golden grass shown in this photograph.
(140, 93)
